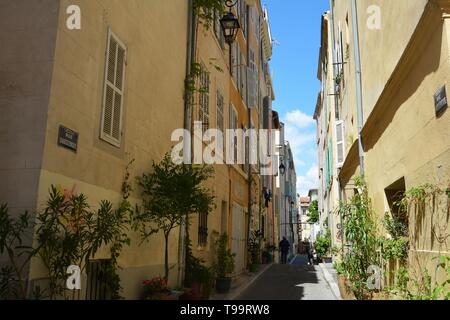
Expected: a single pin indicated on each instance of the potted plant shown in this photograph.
(254, 250)
(156, 289)
(322, 246)
(198, 277)
(224, 265)
(267, 254)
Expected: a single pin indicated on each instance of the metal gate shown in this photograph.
(97, 285)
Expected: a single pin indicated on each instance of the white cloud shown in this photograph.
(299, 119)
(308, 181)
(300, 131)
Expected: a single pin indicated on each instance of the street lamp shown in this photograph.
(230, 23)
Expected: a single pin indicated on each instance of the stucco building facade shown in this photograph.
(387, 125)
(118, 84)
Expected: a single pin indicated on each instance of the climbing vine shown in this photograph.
(360, 232)
(208, 10)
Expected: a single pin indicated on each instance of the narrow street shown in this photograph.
(296, 281)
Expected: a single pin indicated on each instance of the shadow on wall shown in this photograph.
(420, 59)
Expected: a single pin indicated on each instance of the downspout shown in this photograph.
(336, 99)
(191, 40)
(358, 85)
(249, 115)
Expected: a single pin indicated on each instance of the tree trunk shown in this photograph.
(166, 257)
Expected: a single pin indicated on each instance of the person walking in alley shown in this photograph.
(310, 255)
(284, 248)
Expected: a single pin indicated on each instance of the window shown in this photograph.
(204, 98)
(224, 217)
(394, 194)
(218, 30)
(242, 14)
(203, 229)
(112, 110)
(236, 62)
(340, 59)
(243, 79)
(340, 143)
(234, 126)
(245, 149)
(220, 106)
(252, 81)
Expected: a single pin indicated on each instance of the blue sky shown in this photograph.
(295, 28)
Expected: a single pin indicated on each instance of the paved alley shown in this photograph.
(296, 281)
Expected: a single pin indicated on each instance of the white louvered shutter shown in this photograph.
(111, 125)
(340, 143)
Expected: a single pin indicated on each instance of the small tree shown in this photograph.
(70, 233)
(313, 212)
(360, 232)
(170, 194)
(12, 237)
(224, 264)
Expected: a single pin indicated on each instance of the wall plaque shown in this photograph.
(68, 138)
(440, 100)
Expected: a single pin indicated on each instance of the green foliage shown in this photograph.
(360, 233)
(171, 193)
(423, 288)
(208, 10)
(395, 227)
(402, 280)
(196, 271)
(70, 233)
(338, 79)
(254, 247)
(313, 212)
(418, 195)
(12, 232)
(224, 264)
(113, 227)
(323, 245)
(394, 248)
(340, 268)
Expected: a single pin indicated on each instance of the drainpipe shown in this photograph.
(191, 40)
(358, 85)
(333, 44)
(249, 115)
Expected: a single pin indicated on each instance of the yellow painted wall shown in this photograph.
(153, 108)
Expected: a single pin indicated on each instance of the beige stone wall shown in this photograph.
(402, 68)
(414, 142)
(381, 49)
(153, 108)
(28, 33)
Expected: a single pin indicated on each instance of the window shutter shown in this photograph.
(112, 113)
(340, 143)
(204, 97)
(243, 68)
(220, 106)
(252, 81)
(236, 62)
